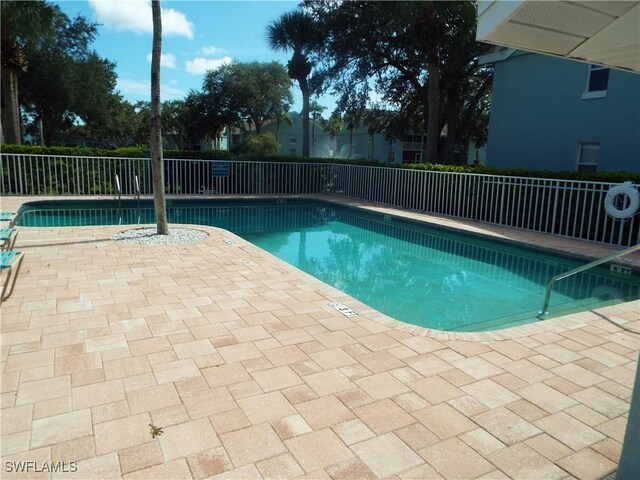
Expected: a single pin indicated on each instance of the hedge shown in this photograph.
(129, 152)
(143, 152)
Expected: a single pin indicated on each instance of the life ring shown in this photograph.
(627, 189)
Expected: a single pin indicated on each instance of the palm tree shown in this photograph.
(315, 109)
(332, 127)
(157, 167)
(283, 115)
(21, 22)
(299, 32)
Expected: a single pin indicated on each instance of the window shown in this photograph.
(597, 83)
(411, 156)
(588, 153)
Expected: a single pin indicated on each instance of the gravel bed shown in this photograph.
(148, 236)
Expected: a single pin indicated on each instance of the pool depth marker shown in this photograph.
(343, 309)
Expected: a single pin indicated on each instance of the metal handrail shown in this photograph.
(582, 268)
(136, 182)
(118, 188)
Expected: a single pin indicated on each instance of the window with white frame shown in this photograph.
(597, 82)
(588, 153)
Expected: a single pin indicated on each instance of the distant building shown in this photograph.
(556, 114)
(356, 144)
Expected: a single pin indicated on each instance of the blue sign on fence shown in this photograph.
(220, 169)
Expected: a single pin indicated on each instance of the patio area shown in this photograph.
(249, 373)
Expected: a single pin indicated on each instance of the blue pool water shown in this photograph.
(418, 274)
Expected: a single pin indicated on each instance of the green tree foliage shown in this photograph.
(175, 121)
(125, 124)
(332, 127)
(421, 57)
(260, 144)
(233, 93)
(301, 33)
(66, 81)
(22, 23)
(283, 116)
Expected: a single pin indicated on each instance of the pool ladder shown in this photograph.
(582, 268)
(136, 183)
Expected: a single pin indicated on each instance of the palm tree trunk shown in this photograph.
(304, 88)
(433, 92)
(452, 133)
(10, 107)
(157, 167)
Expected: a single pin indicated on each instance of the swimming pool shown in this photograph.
(416, 273)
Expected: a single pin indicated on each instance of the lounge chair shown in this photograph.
(8, 238)
(7, 217)
(10, 261)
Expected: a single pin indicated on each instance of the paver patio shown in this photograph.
(250, 374)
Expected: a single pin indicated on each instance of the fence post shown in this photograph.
(555, 207)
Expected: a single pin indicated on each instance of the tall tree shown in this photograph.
(332, 126)
(66, 83)
(315, 109)
(402, 49)
(207, 116)
(157, 167)
(175, 117)
(300, 32)
(283, 115)
(21, 22)
(238, 91)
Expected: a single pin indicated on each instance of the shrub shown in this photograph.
(128, 152)
(258, 150)
(260, 144)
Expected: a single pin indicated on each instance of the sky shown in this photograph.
(197, 36)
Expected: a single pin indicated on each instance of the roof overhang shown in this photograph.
(600, 32)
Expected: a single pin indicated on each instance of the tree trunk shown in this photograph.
(313, 137)
(10, 107)
(452, 133)
(304, 88)
(433, 92)
(157, 167)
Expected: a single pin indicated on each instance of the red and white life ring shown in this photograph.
(626, 189)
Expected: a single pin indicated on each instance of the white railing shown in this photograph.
(561, 207)
(61, 175)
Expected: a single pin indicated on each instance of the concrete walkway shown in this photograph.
(237, 357)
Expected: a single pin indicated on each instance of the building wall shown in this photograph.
(290, 140)
(539, 117)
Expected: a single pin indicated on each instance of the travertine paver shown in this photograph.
(387, 455)
(250, 374)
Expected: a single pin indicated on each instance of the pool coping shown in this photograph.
(587, 250)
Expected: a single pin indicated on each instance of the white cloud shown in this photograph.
(141, 90)
(135, 15)
(201, 65)
(211, 50)
(166, 60)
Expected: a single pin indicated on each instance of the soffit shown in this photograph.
(602, 32)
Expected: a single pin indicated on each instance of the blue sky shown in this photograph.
(197, 36)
